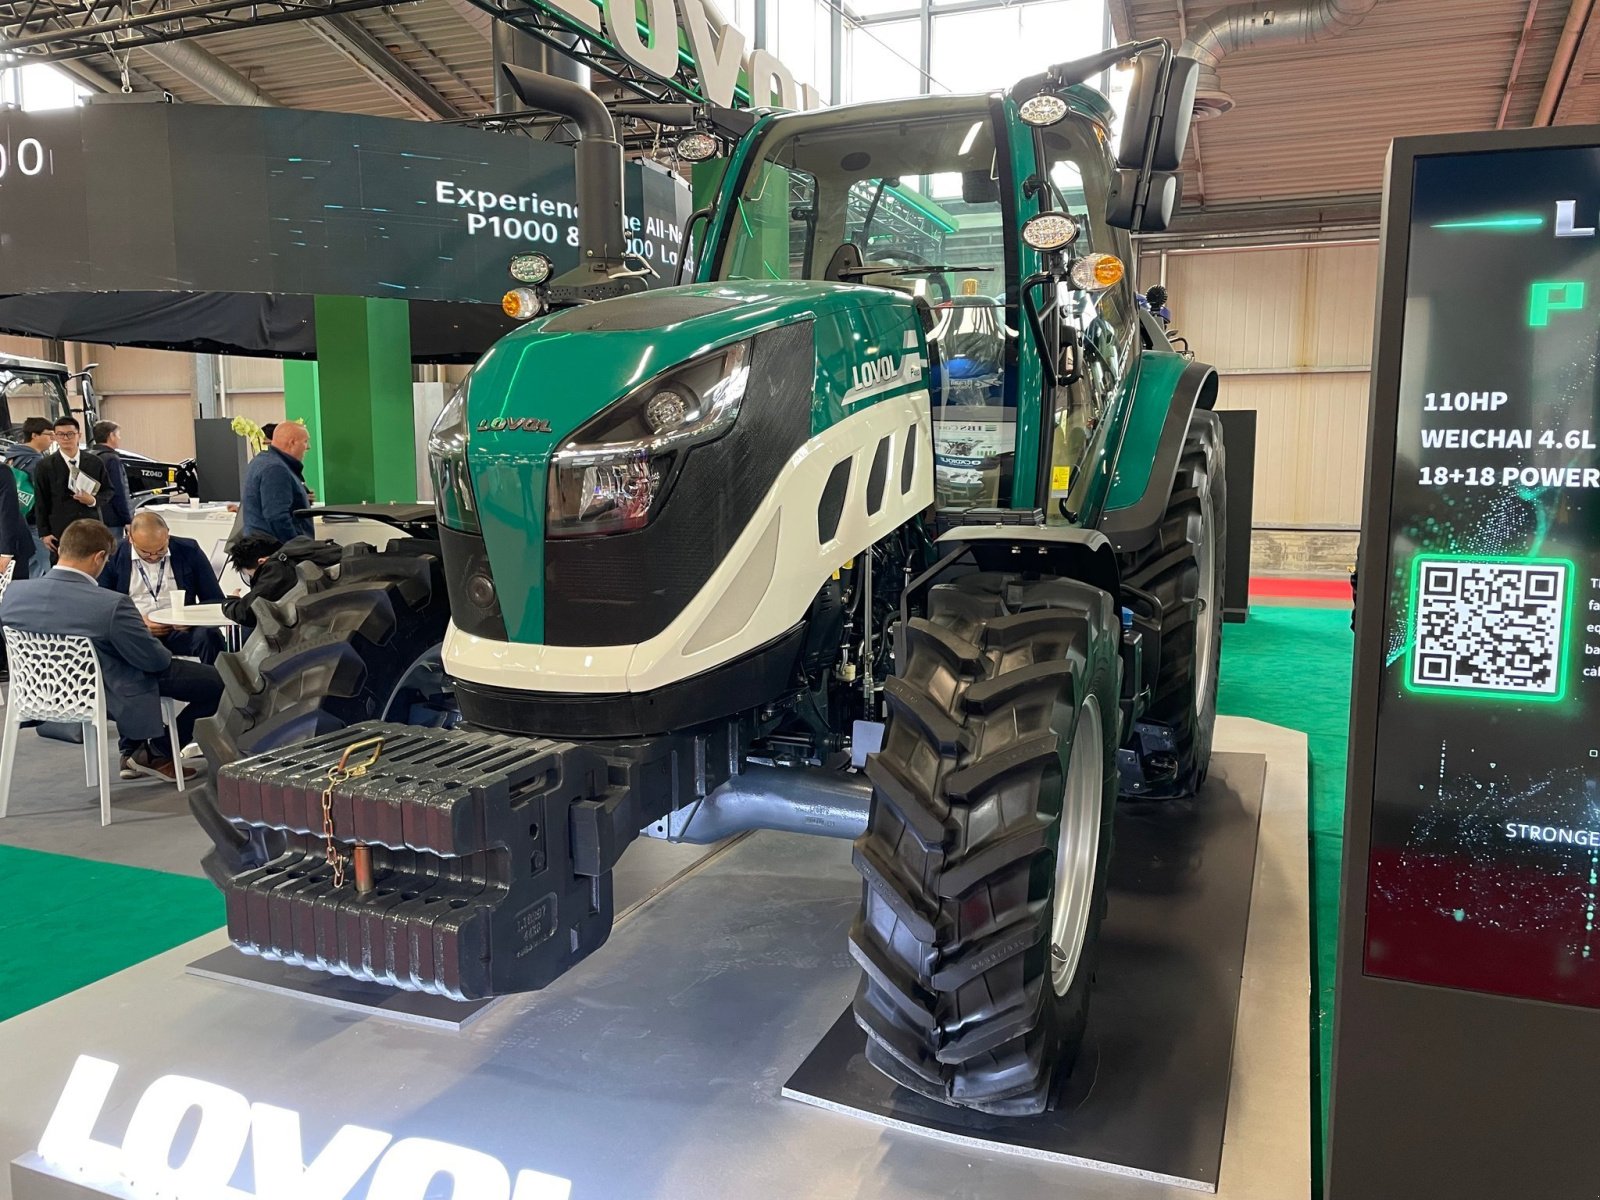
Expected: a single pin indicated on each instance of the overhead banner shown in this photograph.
(205, 198)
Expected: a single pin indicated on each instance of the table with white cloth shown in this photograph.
(202, 616)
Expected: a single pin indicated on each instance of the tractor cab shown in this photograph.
(928, 198)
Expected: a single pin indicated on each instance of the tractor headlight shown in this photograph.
(613, 473)
(697, 147)
(1047, 232)
(1044, 109)
(532, 268)
(447, 460)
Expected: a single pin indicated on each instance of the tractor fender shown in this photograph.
(1086, 555)
(1148, 461)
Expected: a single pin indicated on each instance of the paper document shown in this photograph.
(77, 481)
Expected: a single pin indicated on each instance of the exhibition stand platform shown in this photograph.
(667, 1064)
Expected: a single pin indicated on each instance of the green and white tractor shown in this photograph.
(899, 522)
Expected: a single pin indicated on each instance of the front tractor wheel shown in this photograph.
(360, 643)
(985, 855)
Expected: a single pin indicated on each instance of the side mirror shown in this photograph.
(1160, 203)
(1146, 98)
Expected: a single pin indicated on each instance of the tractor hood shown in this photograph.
(546, 382)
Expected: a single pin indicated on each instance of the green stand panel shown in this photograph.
(356, 400)
(302, 402)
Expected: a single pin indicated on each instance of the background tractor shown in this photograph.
(899, 522)
(32, 387)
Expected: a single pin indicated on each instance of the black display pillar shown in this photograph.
(219, 457)
(1239, 440)
(1467, 1042)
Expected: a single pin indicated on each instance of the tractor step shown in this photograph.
(484, 859)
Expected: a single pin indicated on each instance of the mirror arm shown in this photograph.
(1158, 113)
(1047, 353)
(1066, 74)
(702, 214)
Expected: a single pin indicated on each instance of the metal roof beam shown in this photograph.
(351, 39)
(57, 30)
(1341, 217)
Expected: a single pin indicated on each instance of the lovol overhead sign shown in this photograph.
(213, 199)
(716, 48)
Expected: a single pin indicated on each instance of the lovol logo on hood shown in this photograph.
(884, 373)
(143, 1167)
(874, 370)
(517, 424)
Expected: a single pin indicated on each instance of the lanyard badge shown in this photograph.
(161, 577)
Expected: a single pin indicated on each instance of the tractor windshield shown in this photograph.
(903, 201)
(904, 195)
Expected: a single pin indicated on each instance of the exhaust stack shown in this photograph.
(602, 241)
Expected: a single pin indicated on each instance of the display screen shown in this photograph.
(1485, 853)
(205, 198)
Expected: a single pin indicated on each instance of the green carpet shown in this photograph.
(68, 921)
(1291, 666)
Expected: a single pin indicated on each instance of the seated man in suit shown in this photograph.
(135, 668)
(156, 569)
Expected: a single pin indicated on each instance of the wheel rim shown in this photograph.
(1210, 609)
(1077, 847)
(426, 668)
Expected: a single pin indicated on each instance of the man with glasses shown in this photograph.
(66, 484)
(159, 570)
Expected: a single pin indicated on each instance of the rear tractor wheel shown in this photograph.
(985, 854)
(1183, 568)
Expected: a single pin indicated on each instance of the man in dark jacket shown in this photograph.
(37, 439)
(116, 504)
(275, 485)
(62, 496)
(137, 670)
(16, 539)
(157, 569)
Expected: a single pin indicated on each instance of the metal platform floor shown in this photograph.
(655, 1068)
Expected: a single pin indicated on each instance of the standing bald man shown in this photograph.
(275, 485)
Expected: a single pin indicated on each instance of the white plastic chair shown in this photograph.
(5, 582)
(56, 677)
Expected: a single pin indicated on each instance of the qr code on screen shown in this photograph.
(1490, 626)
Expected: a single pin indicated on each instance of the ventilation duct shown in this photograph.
(210, 74)
(1254, 26)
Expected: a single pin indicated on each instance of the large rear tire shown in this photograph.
(985, 854)
(1184, 568)
(345, 645)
